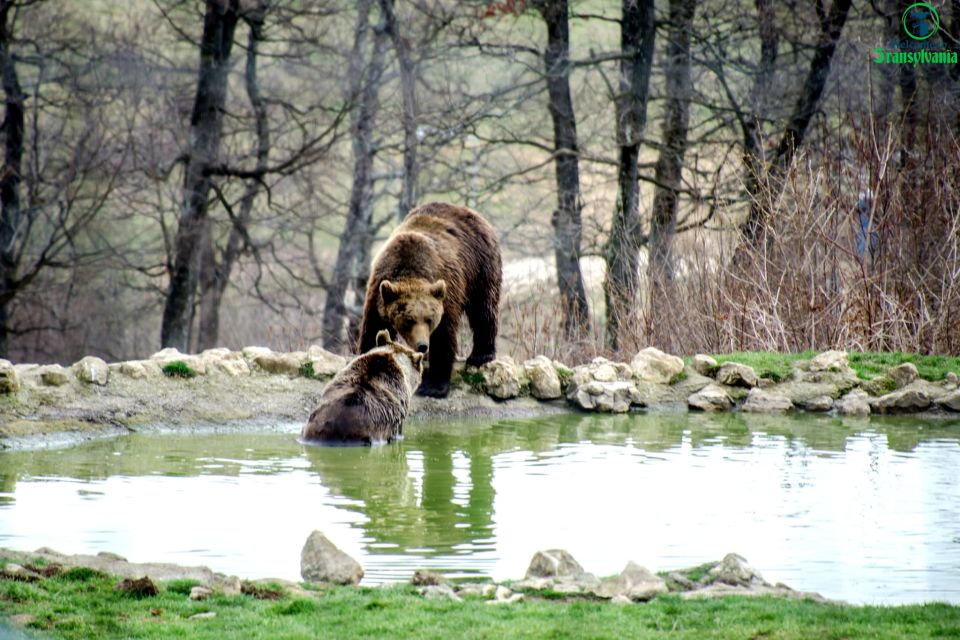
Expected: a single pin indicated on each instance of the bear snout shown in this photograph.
(422, 347)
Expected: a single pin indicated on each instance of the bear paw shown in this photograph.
(433, 390)
(478, 360)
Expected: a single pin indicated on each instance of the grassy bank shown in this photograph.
(777, 366)
(81, 603)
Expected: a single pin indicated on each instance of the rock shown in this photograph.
(735, 374)
(502, 378)
(167, 354)
(477, 590)
(230, 586)
(704, 364)
(734, 570)
(903, 374)
(605, 373)
(620, 599)
(761, 401)
(502, 593)
(53, 375)
(217, 353)
(635, 582)
(322, 561)
(9, 378)
(200, 592)
(91, 370)
(952, 378)
(206, 615)
(553, 563)
(139, 588)
(879, 385)
(854, 403)
(830, 361)
(711, 398)
(653, 365)
(252, 352)
(133, 369)
(544, 381)
(233, 367)
(440, 592)
(819, 403)
(277, 363)
(424, 578)
(614, 392)
(325, 363)
(951, 401)
(901, 401)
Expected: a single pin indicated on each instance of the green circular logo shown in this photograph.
(921, 21)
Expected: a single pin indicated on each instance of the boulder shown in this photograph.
(544, 381)
(903, 374)
(502, 378)
(634, 582)
(735, 374)
(704, 364)
(879, 385)
(901, 401)
(277, 363)
(653, 365)
(819, 403)
(9, 378)
(53, 375)
(233, 367)
(952, 378)
(322, 561)
(830, 361)
(324, 362)
(761, 401)
(553, 563)
(439, 592)
(91, 370)
(604, 386)
(855, 403)
(133, 369)
(735, 571)
(711, 398)
(951, 401)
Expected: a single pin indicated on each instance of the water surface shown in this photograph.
(860, 510)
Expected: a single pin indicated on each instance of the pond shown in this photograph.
(861, 510)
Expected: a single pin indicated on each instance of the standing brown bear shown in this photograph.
(442, 262)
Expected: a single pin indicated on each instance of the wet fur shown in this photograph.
(368, 400)
(437, 242)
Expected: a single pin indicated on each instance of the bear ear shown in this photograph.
(438, 289)
(389, 291)
(383, 338)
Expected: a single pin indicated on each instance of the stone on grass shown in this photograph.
(951, 378)
(903, 374)
(322, 561)
(951, 401)
(206, 615)
(233, 367)
(200, 592)
(635, 582)
(53, 375)
(440, 592)
(830, 361)
(734, 374)
(653, 365)
(277, 363)
(711, 398)
(544, 381)
(325, 363)
(734, 570)
(91, 370)
(486, 590)
(425, 578)
(502, 378)
(855, 403)
(760, 401)
(704, 364)
(133, 369)
(553, 563)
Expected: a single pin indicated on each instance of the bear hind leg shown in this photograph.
(483, 312)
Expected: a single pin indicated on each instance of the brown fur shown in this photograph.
(441, 263)
(367, 401)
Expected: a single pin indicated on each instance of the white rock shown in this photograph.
(830, 361)
(322, 561)
(200, 592)
(704, 364)
(91, 370)
(711, 398)
(855, 403)
(502, 378)
(544, 381)
(903, 374)
(735, 374)
(9, 378)
(53, 375)
(553, 563)
(760, 401)
(653, 365)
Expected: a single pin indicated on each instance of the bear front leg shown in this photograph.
(370, 326)
(443, 349)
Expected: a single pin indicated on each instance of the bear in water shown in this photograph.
(367, 401)
(442, 262)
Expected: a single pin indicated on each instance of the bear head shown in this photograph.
(414, 308)
(410, 361)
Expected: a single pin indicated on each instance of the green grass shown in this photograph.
(178, 369)
(777, 366)
(306, 370)
(93, 608)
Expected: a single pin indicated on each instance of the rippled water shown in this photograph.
(860, 510)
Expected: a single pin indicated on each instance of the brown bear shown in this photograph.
(367, 401)
(443, 261)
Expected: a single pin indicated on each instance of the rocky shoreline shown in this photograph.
(256, 388)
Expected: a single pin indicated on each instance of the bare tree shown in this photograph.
(637, 34)
(206, 126)
(567, 223)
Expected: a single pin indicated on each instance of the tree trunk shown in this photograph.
(11, 214)
(660, 269)
(206, 124)
(217, 276)
(364, 88)
(408, 88)
(566, 220)
(770, 182)
(637, 35)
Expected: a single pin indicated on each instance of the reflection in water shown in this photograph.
(863, 510)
